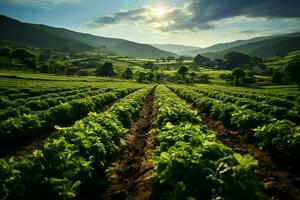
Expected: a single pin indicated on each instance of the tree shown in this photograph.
(44, 68)
(5, 52)
(22, 54)
(277, 77)
(228, 78)
(193, 76)
(292, 71)
(58, 67)
(202, 61)
(140, 77)
(106, 69)
(180, 59)
(169, 58)
(204, 78)
(239, 76)
(30, 63)
(182, 71)
(237, 59)
(127, 74)
(150, 77)
(148, 65)
(72, 70)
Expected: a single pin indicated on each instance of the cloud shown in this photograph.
(41, 3)
(203, 14)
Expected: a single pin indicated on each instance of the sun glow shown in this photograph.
(159, 11)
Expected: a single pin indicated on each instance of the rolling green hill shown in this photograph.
(281, 61)
(42, 36)
(140, 50)
(15, 31)
(175, 48)
(265, 48)
(86, 38)
(259, 46)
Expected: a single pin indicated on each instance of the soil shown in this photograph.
(131, 177)
(279, 180)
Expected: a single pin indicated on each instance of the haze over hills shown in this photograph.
(43, 36)
(176, 48)
(260, 46)
(264, 48)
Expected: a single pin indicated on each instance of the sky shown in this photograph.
(188, 22)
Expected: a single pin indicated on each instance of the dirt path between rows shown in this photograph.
(131, 179)
(280, 182)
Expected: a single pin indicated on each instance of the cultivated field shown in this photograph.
(94, 138)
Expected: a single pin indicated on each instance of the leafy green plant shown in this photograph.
(281, 137)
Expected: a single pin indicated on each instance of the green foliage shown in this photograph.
(5, 52)
(281, 137)
(277, 77)
(237, 59)
(182, 71)
(292, 70)
(202, 61)
(22, 54)
(16, 124)
(187, 149)
(148, 65)
(128, 74)
(77, 156)
(106, 69)
(247, 120)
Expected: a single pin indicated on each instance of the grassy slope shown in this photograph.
(16, 31)
(264, 49)
(279, 62)
(133, 49)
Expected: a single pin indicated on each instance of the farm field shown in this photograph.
(94, 138)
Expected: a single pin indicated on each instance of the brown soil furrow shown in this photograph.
(279, 181)
(131, 178)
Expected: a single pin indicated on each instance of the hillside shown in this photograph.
(42, 36)
(281, 61)
(265, 48)
(33, 36)
(86, 38)
(133, 49)
(175, 48)
(222, 47)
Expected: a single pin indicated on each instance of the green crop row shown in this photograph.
(270, 133)
(74, 160)
(190, 163)
(21, 127)
(258, 106)
(30, 106)
(275, 101)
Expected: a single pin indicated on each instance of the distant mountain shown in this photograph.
(86, 38)
(140, 50)
(223, 47)
(15, 31)
(43, 36)
(175, 48)
(264, 48)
